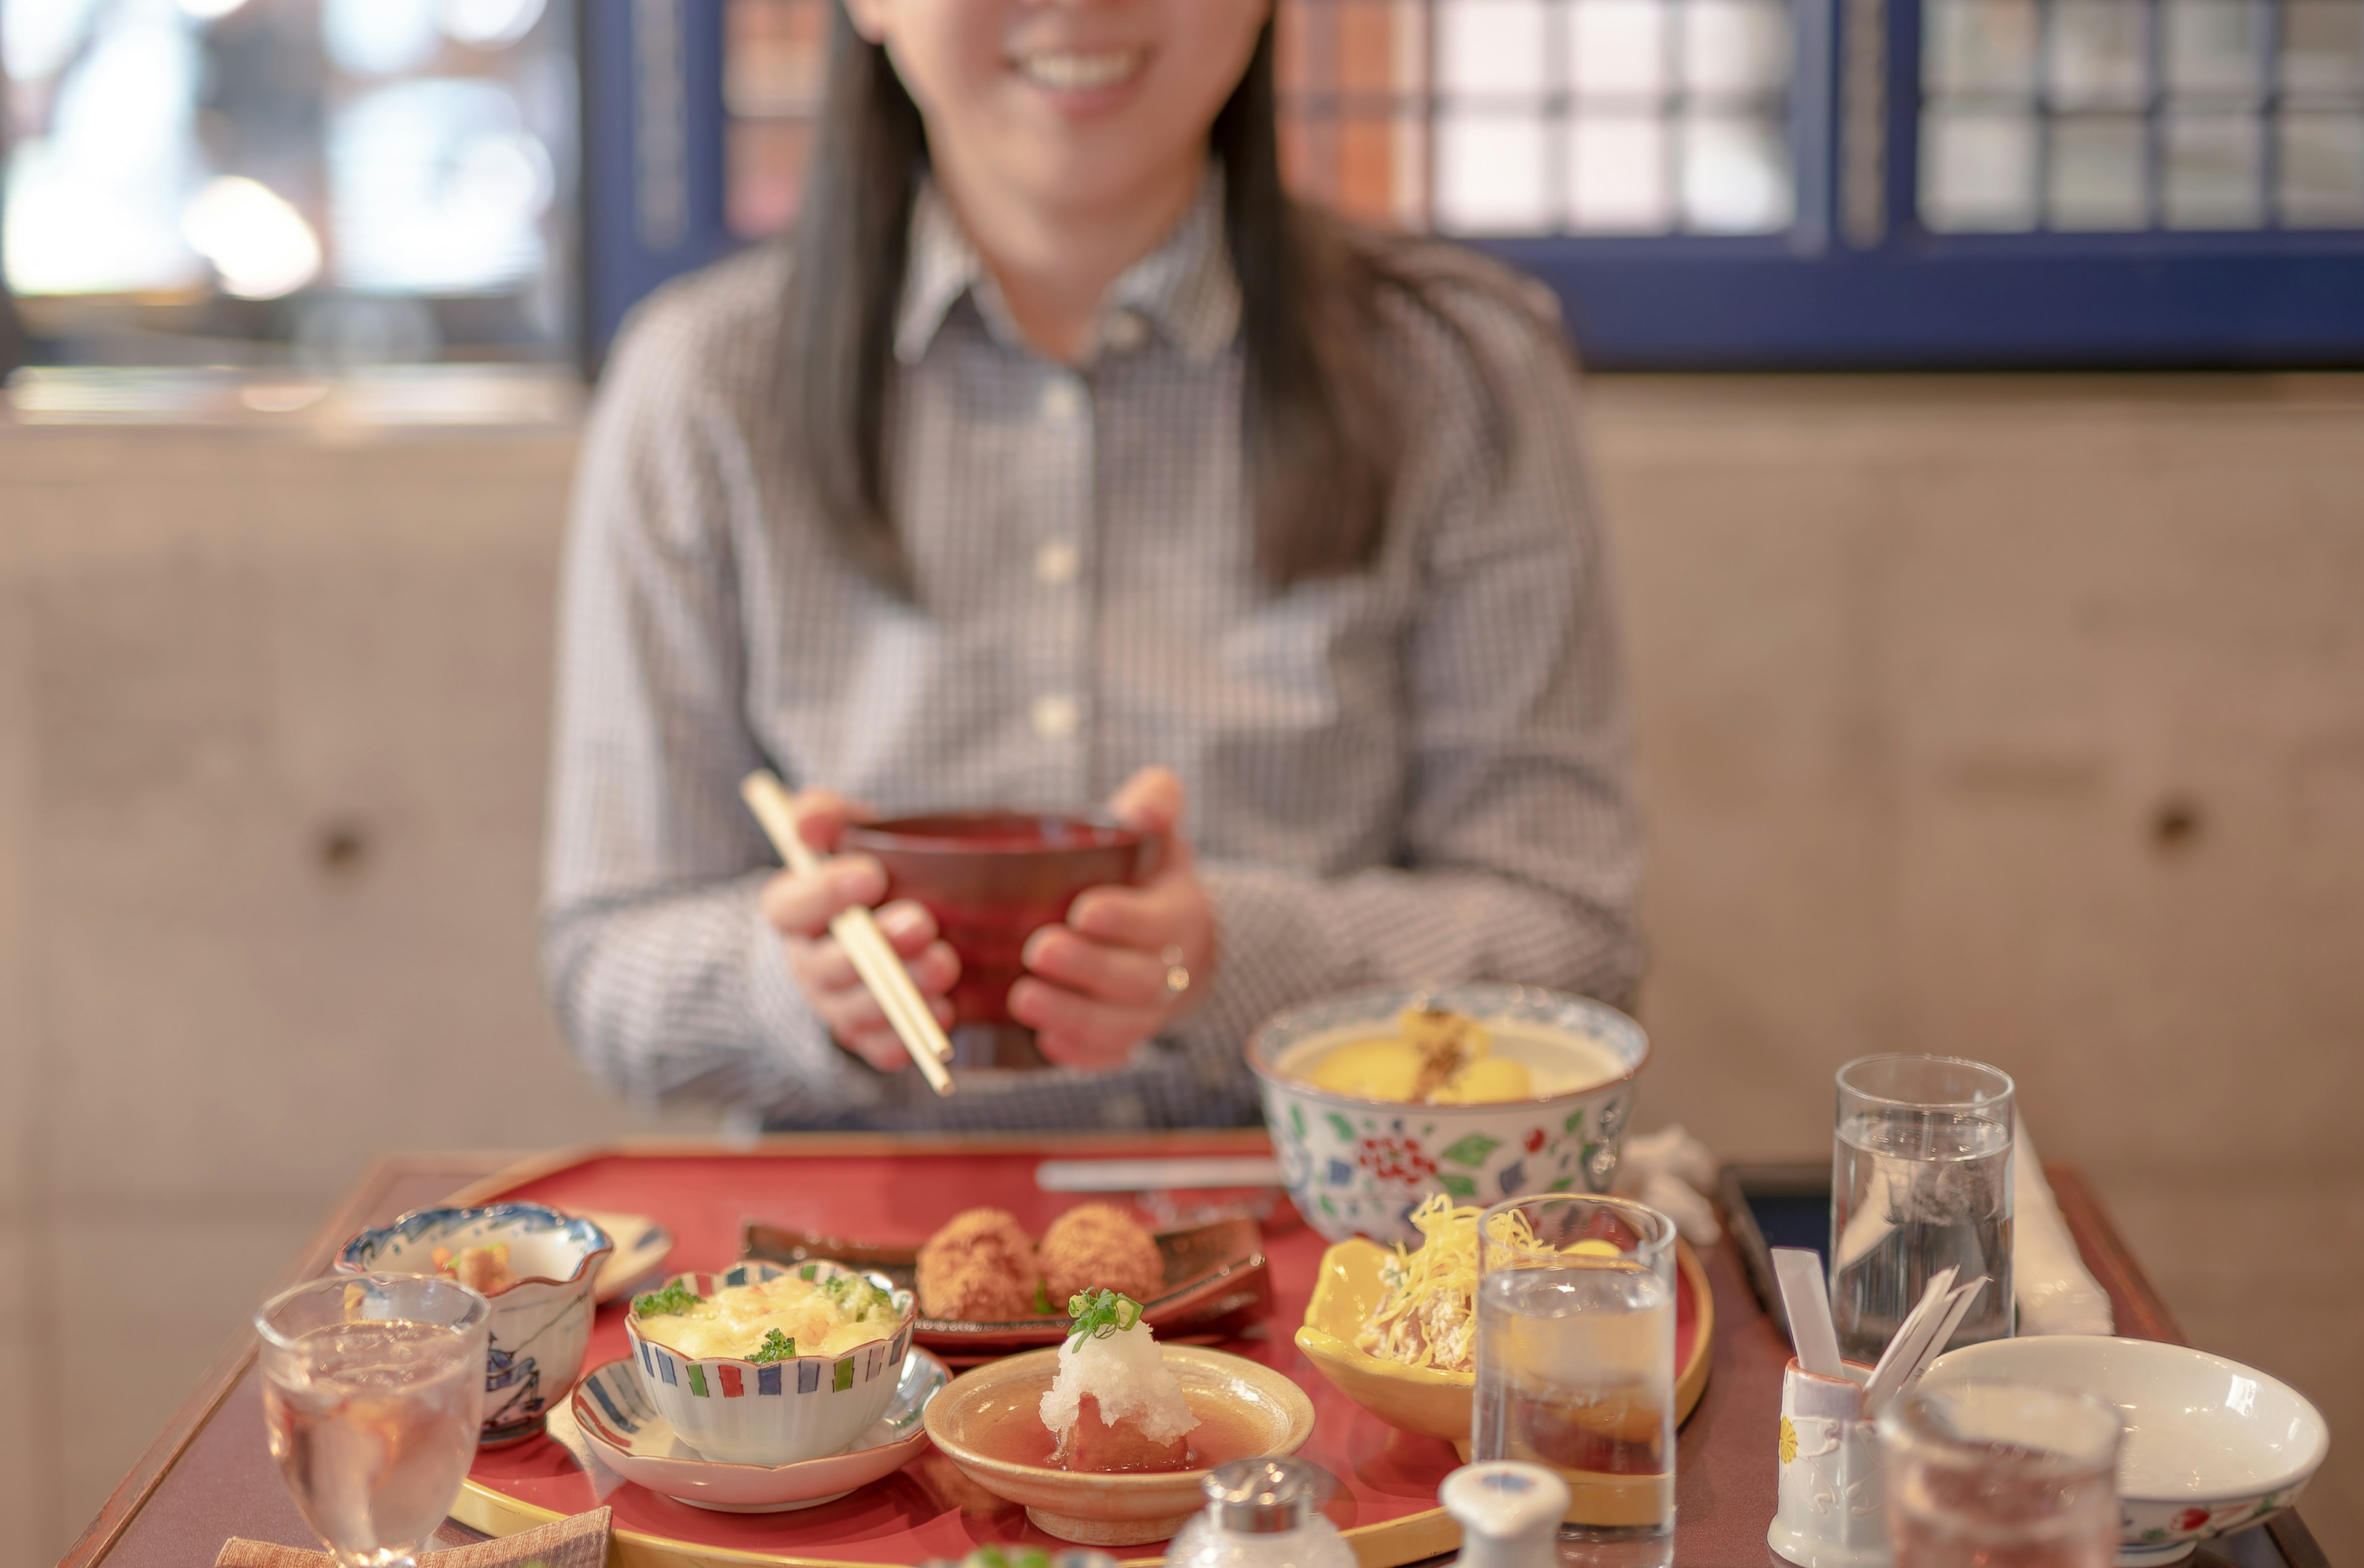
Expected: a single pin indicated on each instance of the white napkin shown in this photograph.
(2055, 1292)
(1670, 1170)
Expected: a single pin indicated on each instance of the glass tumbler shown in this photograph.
(2001, 1475)
(1575, 1359)
(1920, 1182)
(373, 1389)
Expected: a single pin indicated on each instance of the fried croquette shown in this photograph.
(1099, 1248)
(981, 1268)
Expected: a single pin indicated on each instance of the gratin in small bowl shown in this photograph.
(781, 1412)
(541, 1325)
(1356, 1165)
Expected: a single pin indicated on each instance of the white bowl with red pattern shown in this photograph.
(2212, 1446)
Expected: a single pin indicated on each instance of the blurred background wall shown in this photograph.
(2014, 718)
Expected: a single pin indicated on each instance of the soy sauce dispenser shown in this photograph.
(1509, 1513)
(1262, 1513)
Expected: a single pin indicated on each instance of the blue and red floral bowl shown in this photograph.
(1362, 1166)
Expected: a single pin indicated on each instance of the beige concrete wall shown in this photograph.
(1928, 673)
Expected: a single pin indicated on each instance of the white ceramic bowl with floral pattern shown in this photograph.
(782, 1412)
(541, 1325)
(1362, 1166)
(2212, 1446)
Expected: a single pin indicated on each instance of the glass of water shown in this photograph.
(373, 1388)
(2001, 1475)
(1920, 1182)
(1575, 1359)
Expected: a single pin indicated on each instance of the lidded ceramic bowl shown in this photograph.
(1361, 1166)
(781, 1412)
(541, 1325)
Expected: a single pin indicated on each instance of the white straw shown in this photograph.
(874, 956)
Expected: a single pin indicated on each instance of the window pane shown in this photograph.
(396, 174)
(2212, 49)
(1736, 176)
(2095, 180)
(1735, 49)
(2322, 48)
(2212, 172)
(2323, 171)
(1981, 47)
(1490, 48)
(1617, 50)
(1618, 169)
(1489, 174)
(2099, 53)
(1978, 170)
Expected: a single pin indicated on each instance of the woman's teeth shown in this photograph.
(1081, 72)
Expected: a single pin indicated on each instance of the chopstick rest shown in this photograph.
(578, 1542)
(875, 958)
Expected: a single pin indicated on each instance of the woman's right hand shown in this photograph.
(800, 908)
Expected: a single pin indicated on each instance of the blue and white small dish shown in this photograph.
(631, 1438)
(540, 1324)
(772, 1413)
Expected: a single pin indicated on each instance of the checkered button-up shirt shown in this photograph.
(1416, 773)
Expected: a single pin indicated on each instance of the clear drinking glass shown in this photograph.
(1575, 1359)
(2001, 1475)
(373, 1388)
(1920, 1182)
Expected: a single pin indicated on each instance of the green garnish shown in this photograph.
(777, 1347)
(1042, 1299)
(1096, 1314)
(674, 1297)
(855, 1296)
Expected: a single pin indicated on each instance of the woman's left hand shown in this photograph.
(1099, 984)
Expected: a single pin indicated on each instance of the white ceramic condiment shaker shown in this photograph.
(1262, 1513)
(1509, 1512)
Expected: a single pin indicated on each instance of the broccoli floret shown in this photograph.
(855, 1296)
(777, 1347)
(673, 1298)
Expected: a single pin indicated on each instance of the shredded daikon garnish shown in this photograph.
(1428, 1316)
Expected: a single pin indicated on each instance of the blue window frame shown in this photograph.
(1930, 184)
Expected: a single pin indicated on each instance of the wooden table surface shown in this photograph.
(208, 1477)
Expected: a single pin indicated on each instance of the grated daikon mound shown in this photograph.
(1126, 1375)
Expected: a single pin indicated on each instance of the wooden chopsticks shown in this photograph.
(874, 956)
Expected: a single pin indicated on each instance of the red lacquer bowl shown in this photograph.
(992, 879)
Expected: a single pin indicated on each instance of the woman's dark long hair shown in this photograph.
(1320, 431)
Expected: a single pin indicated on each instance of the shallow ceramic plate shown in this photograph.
(1437, 1404)
(2212, 1446)
(642, 1247)
(1215, 1273)
(632, 1439)
(1103, 1509)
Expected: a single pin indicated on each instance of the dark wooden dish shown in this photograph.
(1216, 1278)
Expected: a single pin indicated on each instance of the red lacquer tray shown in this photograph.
(887, 1190)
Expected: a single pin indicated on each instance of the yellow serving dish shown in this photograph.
(1437, 1404)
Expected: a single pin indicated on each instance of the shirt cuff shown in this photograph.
(808, 1064)
(1273, 948)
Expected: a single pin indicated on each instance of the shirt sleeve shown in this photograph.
(665, 977)
(1519, 851)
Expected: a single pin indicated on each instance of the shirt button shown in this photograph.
(1055, 564)
(1062, 400)
(1126, 331)
(1056, 715)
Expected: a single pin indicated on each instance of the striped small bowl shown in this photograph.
(776, 1412)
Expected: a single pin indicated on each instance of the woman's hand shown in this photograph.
(1098, 983)
(800, 908)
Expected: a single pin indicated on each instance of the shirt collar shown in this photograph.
(1186, 287)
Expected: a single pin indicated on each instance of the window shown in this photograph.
(326, 182)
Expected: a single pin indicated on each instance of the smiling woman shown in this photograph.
(971, 495)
